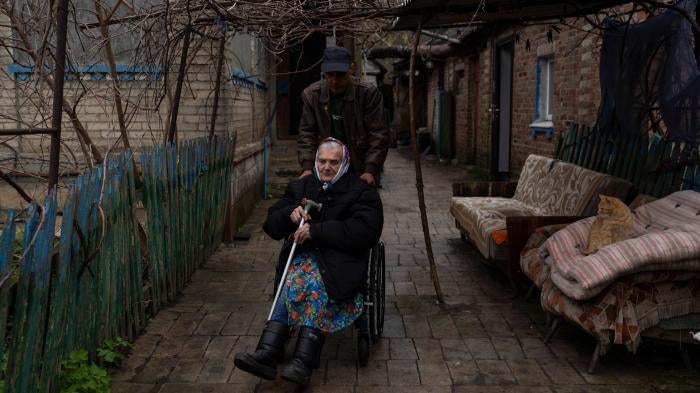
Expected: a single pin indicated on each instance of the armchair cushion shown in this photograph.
(480, 216)
(503, 189)
(560, 188)
(546, 187)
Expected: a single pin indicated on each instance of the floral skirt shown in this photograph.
(307, 301)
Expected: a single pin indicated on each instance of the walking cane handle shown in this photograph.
(309, 204)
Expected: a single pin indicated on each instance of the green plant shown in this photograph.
(79, 376)
(3, 371)
(17, 247)
(113, 351)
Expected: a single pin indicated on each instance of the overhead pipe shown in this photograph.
(441, 36)
(440, 51)
(389, 52)
(467, 43)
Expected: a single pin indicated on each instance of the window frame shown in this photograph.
(545, 88)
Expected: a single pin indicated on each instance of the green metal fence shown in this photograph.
(100, 276)
(655, 165)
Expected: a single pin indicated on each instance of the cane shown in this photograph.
(308, 205)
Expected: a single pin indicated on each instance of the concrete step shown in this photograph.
(284, 167)
(286, 171)
(278, 183)
(277, 190)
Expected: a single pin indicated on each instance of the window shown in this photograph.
(248, 62)
(544, 97)
(545, 88)
(135, 44)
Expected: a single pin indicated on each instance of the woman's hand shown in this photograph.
(302, 234)
(298, 214)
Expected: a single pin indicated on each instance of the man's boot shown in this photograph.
(263, 362)
(307, 356)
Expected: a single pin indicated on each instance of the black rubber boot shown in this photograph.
(307, 356)
(263, 362)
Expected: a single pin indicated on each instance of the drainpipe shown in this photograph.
(438, 123)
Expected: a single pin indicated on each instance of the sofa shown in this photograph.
(628, 289)
(546, 187)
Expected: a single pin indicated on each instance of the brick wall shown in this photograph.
(576, 86)
(243, 108)
(483, 101)
(465, 87)
(433, 80)
(462, 128)
(576, 92)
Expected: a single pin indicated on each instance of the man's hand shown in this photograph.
(298, 214)
(302, 234)
(368, 177)
(306, 172)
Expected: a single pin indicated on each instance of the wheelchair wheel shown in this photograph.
(375, 311)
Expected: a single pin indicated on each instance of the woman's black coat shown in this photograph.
(342, 233)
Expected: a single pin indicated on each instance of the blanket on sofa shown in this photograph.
(623, 310)
(669, 239)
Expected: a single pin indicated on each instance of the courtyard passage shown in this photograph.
(486, 339)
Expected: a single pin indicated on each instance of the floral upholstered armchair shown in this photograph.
(489, 214)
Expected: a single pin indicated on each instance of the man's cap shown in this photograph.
(335, 59)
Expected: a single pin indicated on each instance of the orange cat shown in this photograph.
(613, 224)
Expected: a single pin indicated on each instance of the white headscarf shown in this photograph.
(344, 163)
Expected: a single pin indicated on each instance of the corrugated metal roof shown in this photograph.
(444, 13)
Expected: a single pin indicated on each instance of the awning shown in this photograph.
(452, 13)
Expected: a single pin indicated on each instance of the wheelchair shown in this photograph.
(370, 331)
(370, 324)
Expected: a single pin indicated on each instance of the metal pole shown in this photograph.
(180, 81)
(219, 67)
(58, 80)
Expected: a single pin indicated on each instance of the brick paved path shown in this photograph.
(487, 340)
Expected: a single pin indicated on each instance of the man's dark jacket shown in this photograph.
(363, 120)
(342, 233)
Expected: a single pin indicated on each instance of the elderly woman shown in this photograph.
(323, 289)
